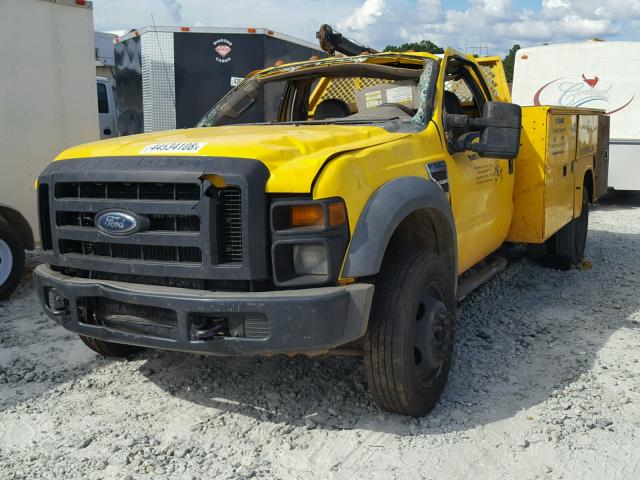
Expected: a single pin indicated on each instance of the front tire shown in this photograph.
(12, 258)
(110, 349)
(409, 344)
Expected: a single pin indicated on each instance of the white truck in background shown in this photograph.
(591, 74)
(48, 100)
(106, 83)
(107, 110)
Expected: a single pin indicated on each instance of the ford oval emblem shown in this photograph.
(115, 222)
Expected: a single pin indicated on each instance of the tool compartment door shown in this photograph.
(602, 160)
(586, 153)
(559, 175)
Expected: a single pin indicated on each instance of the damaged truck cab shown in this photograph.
(345, 221)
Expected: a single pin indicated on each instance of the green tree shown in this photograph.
(422, 46)
(509, 62)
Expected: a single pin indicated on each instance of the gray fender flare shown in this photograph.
(382, 214)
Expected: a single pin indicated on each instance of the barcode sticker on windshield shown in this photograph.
(373, 99)
(399, 95)
(173, 147)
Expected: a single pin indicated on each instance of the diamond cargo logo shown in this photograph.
(587, 91)
(222, 47)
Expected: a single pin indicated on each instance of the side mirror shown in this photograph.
(500, 130)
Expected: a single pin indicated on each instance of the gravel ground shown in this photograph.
(546, 384)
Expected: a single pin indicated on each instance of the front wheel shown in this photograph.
(409, 344)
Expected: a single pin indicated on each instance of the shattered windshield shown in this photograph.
(348, 92)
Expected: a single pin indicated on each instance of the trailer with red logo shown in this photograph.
(594, 74)
(168, 77)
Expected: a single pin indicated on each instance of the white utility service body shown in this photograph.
(48, 100)
(592, 74)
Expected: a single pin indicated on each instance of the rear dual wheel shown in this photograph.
(567, 244)
(409, 345)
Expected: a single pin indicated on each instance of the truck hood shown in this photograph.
(294, 154)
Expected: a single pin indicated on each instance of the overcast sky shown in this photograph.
(494, 24)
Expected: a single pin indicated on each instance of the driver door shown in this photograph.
(481, 187)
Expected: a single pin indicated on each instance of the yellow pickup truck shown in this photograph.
(347, 221)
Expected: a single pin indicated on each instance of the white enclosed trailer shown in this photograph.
(47, 103)
(592, 74)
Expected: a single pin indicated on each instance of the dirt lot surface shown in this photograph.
(546, 385)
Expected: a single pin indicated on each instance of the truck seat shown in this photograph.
(452, 103)
(331, 108)
(453, 106)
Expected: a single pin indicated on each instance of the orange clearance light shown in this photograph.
(524, 57)
(251, 30)
(184, 29)
(307, 216)
(337, 214)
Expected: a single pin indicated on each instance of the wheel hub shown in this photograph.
(6, 261)
(430, 337)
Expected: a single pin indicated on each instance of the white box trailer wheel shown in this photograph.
(592, 74)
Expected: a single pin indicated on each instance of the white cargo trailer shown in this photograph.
(48, 103)
(592, 74)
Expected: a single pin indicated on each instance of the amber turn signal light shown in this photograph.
(337, 214)
(310, 215)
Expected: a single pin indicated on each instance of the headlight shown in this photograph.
(310, 259)
(309, 240)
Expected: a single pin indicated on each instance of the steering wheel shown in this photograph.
(404, 108)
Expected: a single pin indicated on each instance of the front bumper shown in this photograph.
(309, 321)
